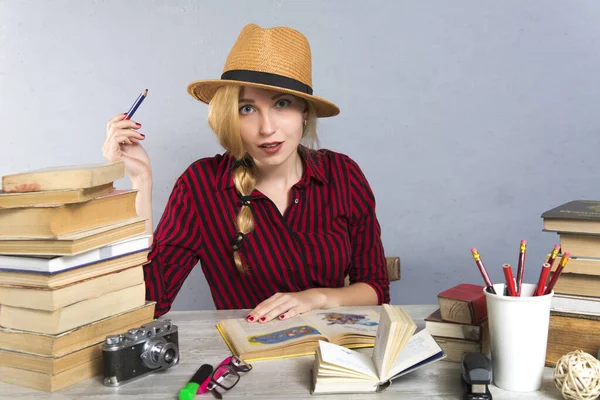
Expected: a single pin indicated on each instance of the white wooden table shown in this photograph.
(200, 343)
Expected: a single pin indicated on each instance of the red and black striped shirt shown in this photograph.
(328, 231)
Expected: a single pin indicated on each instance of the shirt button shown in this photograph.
(296, 201)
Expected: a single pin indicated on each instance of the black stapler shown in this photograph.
(476, 376)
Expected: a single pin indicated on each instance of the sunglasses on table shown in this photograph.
(225, 376)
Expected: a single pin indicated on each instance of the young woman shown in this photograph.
(275, 225)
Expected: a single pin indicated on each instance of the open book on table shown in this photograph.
(351, 327)
(397, 351)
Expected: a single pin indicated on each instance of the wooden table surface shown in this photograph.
(200, 343)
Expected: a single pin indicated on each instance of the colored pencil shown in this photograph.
(483, 271)
(521, 265)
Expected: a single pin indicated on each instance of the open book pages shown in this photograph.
(352, 327)
(340, 370)
(395, 329)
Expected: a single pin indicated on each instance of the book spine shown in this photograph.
(479, 308)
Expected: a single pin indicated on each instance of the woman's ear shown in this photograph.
(305, 112)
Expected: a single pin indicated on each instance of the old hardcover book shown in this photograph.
(580, 245)
(69, 276)
(580, 265)
(54, 299)
(578, 216)
(351, 327)
(53, 197)
(67, 177)
(455, 348)
(74, 315)
(74, 243)
(464, 303)
(436, 326)
(56, 264)
(47, 382)
(577, 284)
(569, 332)
(78, 338)
(41, 222)
(51, 365)
(397, 351)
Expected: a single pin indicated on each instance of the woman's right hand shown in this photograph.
(122, 144)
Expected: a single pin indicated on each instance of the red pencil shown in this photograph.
(553, 255)
(541, 285)
(483, 271)
(510, 281)
(556, 274)
(521, 265)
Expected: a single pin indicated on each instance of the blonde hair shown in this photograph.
(223, 118)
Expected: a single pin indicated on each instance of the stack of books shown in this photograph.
(575, 312)
(71, 255)
(460, 324)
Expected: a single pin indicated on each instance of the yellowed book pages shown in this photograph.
(585, 266)
(580, 245)
(52, 197)
(45, 222)
(64, 177)
(75, 243)
(576, 284)
(51, 383)
(50, 365)
(83, 336)
(55, 281)
(395, 329)
(351, 327)
(340, 370)
(75, 315)
(51, 300)
(455, 348)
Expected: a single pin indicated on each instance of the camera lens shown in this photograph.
(160, 353)
(170, 356)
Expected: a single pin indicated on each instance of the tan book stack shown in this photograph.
(460, 324)
(575, 313)
(71, 255)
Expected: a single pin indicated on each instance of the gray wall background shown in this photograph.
(469, 118)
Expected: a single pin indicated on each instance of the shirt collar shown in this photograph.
(311, 161)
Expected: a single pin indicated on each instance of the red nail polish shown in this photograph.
(263, 319)
(281, 316)
(138, 124)
(142, 135)
(250, 318)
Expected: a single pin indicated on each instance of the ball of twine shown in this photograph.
(577, 376)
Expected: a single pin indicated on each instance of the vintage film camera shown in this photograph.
(139, 352)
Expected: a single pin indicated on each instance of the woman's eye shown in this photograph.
(245, 109)
(283, 103)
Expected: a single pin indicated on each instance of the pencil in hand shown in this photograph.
(510, 280)
(135, 105)
(483, 271)
(556, 274)
(521, 265)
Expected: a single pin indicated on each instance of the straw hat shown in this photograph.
(275, 59)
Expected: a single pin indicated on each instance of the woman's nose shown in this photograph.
(268, 125)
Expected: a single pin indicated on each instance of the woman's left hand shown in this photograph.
(287, 305)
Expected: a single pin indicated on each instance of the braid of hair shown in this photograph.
(245, 182)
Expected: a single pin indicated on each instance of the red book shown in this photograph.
(464, 303)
